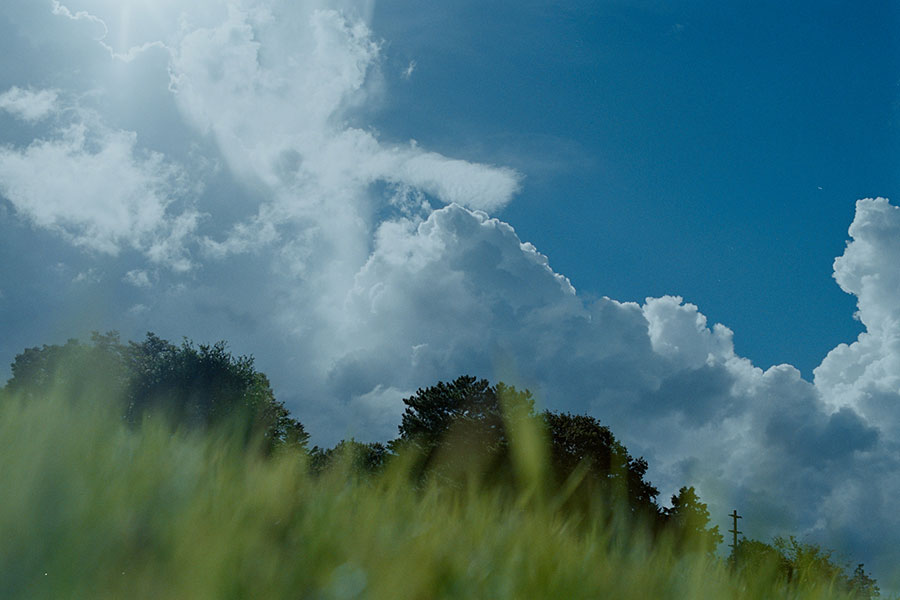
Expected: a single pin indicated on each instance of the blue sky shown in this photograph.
(712, 150)
(632, 208)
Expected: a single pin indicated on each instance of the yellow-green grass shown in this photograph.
(92, 509)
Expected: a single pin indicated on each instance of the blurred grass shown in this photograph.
(92, 509)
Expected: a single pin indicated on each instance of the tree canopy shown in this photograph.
(581, 443)
(688, 520)
(194, 385)
(361, 457)
(468, 407)
(467, 421)
(800, 563)
(458, 429)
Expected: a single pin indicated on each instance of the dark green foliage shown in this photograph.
(581, 446)
(462, 428)
(800, 564)
(74, 369)
(687, 521)
(205, 385)
(465, 404)
(806, 562)
(195, 386)
(364, 459)
(756, 558)
(862, 585)
(459, 429)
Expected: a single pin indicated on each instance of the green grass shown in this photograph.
(91, 509)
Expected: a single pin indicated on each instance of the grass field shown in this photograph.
(92, 509)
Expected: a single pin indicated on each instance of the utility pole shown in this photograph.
(734, 532)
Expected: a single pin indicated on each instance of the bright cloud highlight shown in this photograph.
(376, 267)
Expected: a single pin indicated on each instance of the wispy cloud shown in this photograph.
(93, 186)
(375, 268)
(83, 15)
(138, 278)
(402, 301)
(29, 105)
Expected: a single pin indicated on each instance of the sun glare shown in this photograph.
(138, 22)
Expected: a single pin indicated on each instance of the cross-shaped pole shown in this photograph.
(734, 531)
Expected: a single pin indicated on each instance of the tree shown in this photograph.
(805, 562)
(196, 386)
(205, 385)
(801, 563)
(687, 519)
(579, 444)
(862, 585)
(74, 370)
(362, 458)
(463, 425)
(758, 559)
(466, 402)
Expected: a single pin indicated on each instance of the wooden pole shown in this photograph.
(734, 531)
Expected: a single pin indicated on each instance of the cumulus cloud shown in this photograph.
(371, 293)
(377, 411)
(679, 331)
(29, 105)
(458, 292)
(865, 375)
(425, 295)
(276, 92)
(92, 185)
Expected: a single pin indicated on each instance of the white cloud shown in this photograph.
(377, 295)
(138, 309)
(29, 105)
(377, 411)
(680, 332)
(92, 185)
(459, 293)
(453, 181)
(395, 304)
(275, 91)
(866, 374)
(138, 278)
(82, 15)
(89, 276)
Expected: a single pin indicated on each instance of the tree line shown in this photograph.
(460, 433)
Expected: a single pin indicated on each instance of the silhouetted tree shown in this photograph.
(205, 385)
(97, 370)
(862, 585)
(805, 562)
(758, 559)
(364, 458)
(462, 426)
(800, 563)
(197, 386)
(581, 446)
(688, 519)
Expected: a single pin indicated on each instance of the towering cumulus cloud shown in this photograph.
(375, 267)
(866, 374)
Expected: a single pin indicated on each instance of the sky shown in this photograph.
(673, 216)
